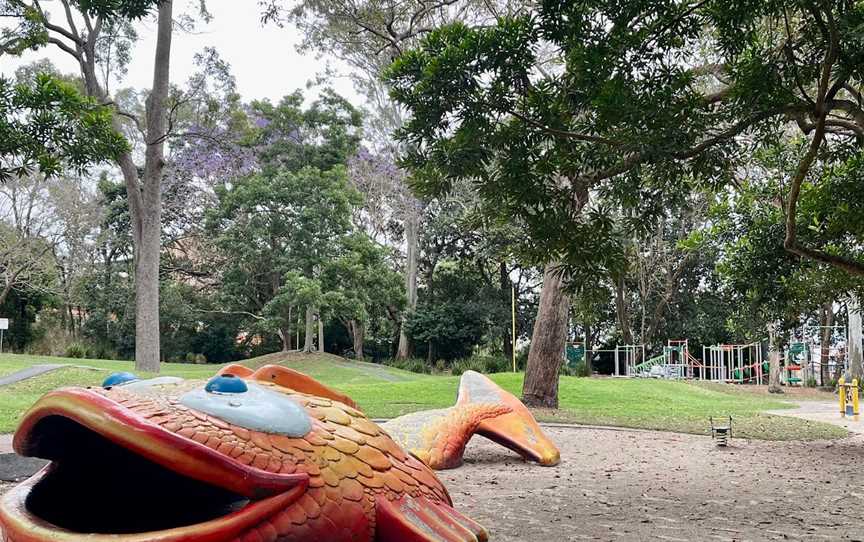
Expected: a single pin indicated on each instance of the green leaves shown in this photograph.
(47, 124)
(629, 103)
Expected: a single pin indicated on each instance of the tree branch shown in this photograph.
(245, 313)
(564, 133)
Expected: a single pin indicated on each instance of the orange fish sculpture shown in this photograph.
(270, 455)
(439, 437)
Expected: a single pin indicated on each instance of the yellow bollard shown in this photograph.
(841, 391)
(855, 410)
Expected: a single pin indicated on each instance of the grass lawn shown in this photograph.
(384, 392)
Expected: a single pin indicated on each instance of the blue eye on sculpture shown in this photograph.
(249, 406)
(116, 379)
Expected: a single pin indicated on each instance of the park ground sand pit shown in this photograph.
(642, 485)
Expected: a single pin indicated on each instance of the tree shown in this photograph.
(46, 125)
(265, 227)
(637, 92)
(358, 284)
(91, 47)
(367, 36)
(389, 204)
(576, 98)
(856, 364)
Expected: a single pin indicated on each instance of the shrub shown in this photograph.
(522, 358)
(200, 359)
(76, 350)
(413, 365)
(469, 364)
(580, 369)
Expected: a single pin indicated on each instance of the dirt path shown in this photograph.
(636, 485)
(640, 485)
(822, 411)
(29, 372)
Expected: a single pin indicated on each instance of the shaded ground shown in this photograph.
(639, 485)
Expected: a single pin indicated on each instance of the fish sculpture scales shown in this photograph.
(269, 455)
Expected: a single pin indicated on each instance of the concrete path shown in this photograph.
(822, 411)
(29, 372)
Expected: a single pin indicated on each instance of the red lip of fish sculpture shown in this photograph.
(270, 455)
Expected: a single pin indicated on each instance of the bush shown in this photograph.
(76, 350)
(481, 364)
(200, 359)
(468, 364)
(413, 365)
(522, 358)
(579, 370)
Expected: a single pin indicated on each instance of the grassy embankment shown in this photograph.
(384, 392)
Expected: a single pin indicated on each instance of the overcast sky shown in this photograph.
(263, 58)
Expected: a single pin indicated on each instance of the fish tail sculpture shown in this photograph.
(439, 437)
(249, 456)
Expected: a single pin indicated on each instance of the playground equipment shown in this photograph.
(625, 357)
(675, 362)
(738, 363)
(848, 393)
(721, 433)
(805, 350)
(630, 355)
(797, 364)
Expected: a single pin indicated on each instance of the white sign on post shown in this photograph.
(4, 325)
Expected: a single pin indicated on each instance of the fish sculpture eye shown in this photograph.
(249, 406)
(116, 379)
(226, 384)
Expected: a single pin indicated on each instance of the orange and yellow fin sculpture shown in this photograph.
(439, 437)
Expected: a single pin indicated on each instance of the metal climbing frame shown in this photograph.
(627, 356)
(738, 363)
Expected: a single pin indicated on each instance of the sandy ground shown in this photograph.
(640, 485)
(823, 411)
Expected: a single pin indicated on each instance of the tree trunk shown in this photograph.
(589, 363)
(548, 341)
(773, 360)
(507, 298)
(621, 310)
(357, 330)
(320, 334)
(310, 330)
(431, 354)
(285, 337)
(411, 226)
(826, 321)
(853, 305)
(147, 213)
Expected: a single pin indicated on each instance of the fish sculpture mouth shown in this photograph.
(116, 476)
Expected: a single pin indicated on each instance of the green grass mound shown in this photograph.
(386, 392)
